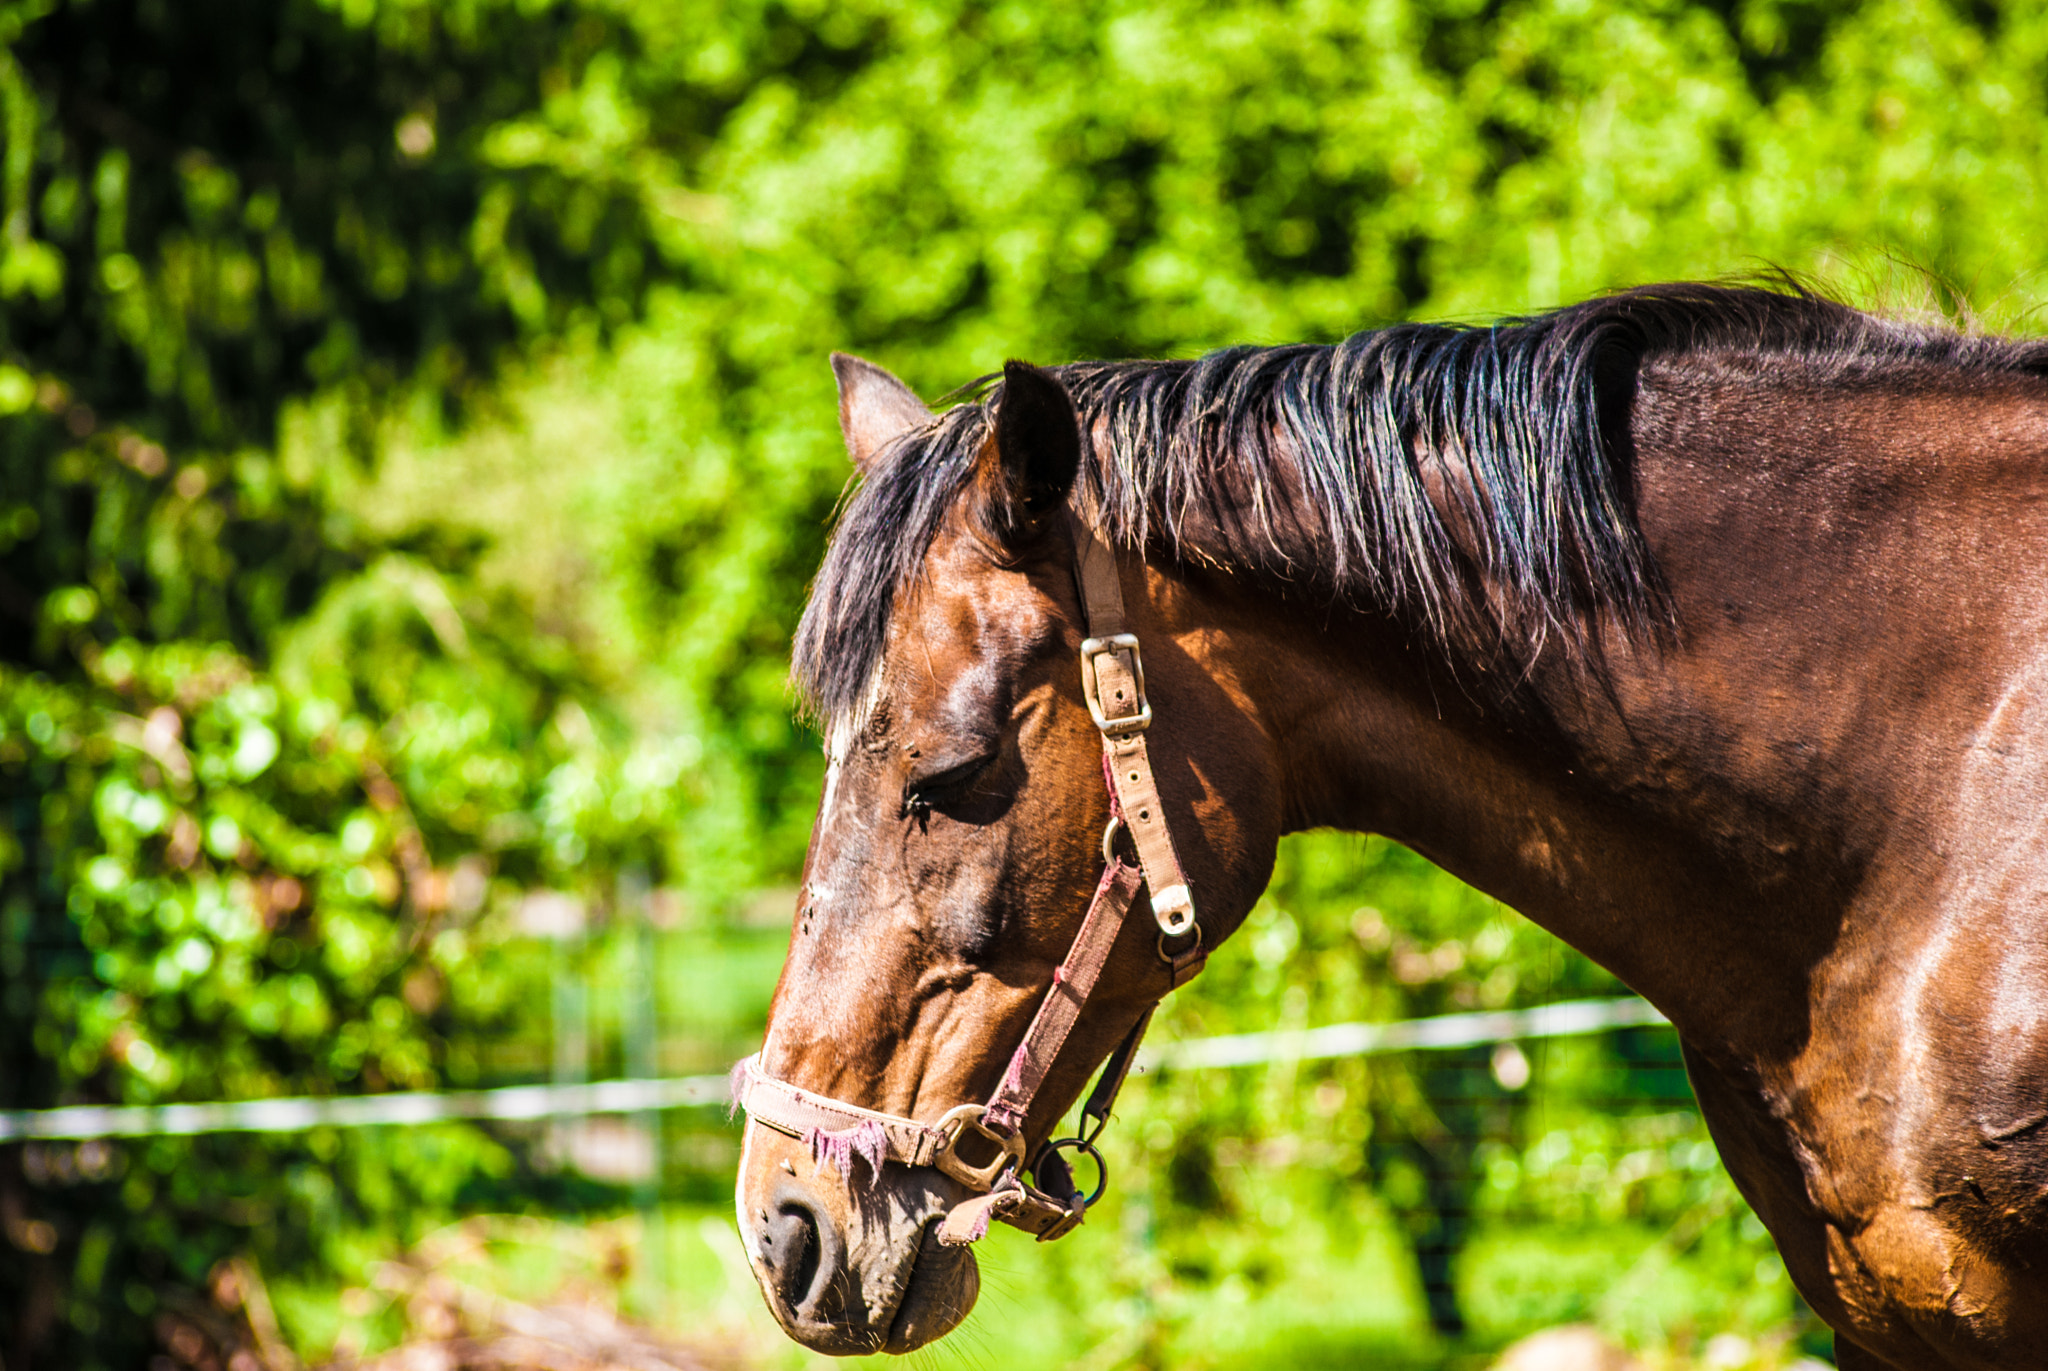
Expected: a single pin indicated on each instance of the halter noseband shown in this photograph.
(982, 1146)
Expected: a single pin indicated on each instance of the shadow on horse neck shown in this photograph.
(1695, 623)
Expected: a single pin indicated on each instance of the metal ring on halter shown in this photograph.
(1109, 832)
(1101, 1166)
(1173, 958)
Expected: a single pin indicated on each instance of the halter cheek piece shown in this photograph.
(982, 1145)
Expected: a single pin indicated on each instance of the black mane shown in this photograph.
(1307, 464)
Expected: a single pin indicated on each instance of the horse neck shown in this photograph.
(1551, 801)
(1371, 730)
(1706, 815)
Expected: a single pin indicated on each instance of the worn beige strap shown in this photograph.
(1102, 592)
(793, 1110)
(1113, 681)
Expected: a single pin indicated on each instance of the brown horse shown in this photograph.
(1704, 626)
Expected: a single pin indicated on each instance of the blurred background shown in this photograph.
(417, 437)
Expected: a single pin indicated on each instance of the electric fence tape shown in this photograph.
(298, 1114)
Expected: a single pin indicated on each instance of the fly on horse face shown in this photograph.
(1705, 626)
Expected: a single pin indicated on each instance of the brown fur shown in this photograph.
(1808, 825)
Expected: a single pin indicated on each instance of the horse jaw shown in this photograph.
(891, 1285)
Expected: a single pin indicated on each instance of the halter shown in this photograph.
(982, 1145)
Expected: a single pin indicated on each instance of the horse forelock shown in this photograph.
(877, 552)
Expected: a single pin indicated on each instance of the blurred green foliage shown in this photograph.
(415, 440)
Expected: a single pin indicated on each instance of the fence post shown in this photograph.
(643, 1040)
(568, 1005)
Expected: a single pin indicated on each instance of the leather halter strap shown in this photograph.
(1113, 681)
(982, 1146)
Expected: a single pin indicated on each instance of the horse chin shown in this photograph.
(940, 1294)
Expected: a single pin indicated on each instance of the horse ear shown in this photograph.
(1038, 438)
(874, 407)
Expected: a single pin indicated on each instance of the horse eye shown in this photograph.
(922, 792)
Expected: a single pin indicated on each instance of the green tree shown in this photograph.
(261, 768)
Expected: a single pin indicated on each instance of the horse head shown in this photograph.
(959, 843)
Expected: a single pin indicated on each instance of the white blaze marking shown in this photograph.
(839, 738)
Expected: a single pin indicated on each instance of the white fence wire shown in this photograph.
(298, 1114)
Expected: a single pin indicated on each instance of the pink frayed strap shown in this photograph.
(1116, 804)
(736, 1087)
(967, 1222)
(1072, 983)
(867, 1140)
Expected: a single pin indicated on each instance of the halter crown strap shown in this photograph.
(1113, 682)
(982, 1146)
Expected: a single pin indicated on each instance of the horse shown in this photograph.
(1699, 623)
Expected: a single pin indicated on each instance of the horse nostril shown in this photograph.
(789, 1249)
(801, 1249)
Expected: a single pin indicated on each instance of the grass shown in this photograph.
(1288, 1285)
(1297, 1288)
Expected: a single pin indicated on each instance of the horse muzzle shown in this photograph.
(847, 1274)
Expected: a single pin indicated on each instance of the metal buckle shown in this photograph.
(1067, 1224)
(1091, 689)
(965, 1118)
